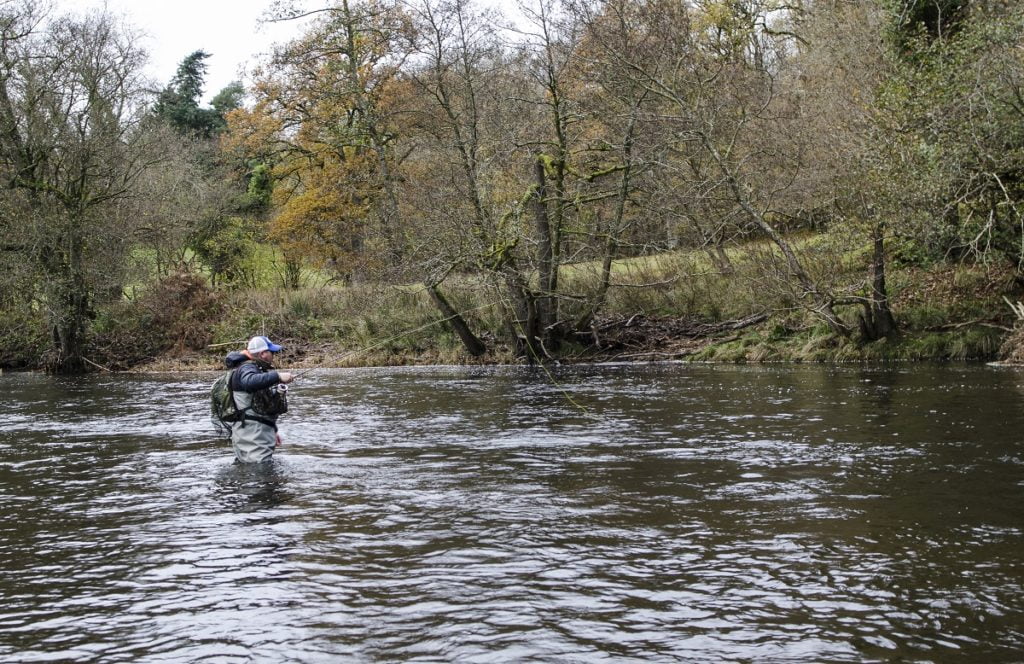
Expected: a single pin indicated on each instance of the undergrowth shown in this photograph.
(944, 312)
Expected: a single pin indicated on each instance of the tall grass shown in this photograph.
(325, 323)
(369, 323)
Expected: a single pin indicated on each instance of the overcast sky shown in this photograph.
(230, 30)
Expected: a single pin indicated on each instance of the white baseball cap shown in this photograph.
(260, 344)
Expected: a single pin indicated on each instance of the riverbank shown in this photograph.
(665, 307)
(944, 313)
(638, 338)
(759, 338)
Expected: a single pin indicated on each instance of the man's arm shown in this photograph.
(251, 379)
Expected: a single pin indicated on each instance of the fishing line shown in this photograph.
(519, 325)
(399, 336)
(543, 365)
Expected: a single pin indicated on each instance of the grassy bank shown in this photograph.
(945, 312)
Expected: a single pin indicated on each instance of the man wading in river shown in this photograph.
(254, 385)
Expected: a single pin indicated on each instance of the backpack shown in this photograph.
(223, 409)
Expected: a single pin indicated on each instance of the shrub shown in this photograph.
(175, 314)
(23, 337)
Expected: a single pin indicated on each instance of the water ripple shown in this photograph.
(666, 514)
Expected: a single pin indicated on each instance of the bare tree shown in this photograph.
(717, 78)
(72, 146)
(618, 111)
(470, 124)
(855, 157)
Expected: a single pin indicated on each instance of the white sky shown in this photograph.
(230, 30)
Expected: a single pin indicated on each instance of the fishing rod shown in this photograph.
(227, 343)
(501, 300)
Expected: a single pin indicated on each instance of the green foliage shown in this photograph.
(24, 336)
(734, 352)
(260, 187)
(228, 99)
(908, 252)
(977, 343)
(927, 19)
(929, 346)
(178, 103)
(227, 249)
(72, 157)
(951, 118)
(931, 314)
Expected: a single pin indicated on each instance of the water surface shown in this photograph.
(656, 513)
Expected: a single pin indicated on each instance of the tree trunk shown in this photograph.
(391, 220)
(292, 273)
(473, 345)
(545, 256)
(601, 296)
(70, 312)
(716, 253)
(722, 260)
(877, 321)
(523, 323)
(69, 336)
(615, 228)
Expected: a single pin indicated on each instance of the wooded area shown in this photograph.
(802, 149)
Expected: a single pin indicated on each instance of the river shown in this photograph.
(647, 513)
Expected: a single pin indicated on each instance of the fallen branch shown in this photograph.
(1016, 307)
(657, 354)
(98, 366)
(997, 327)
(666, 282)
(977, 321)
(653, 355)
(741, 323)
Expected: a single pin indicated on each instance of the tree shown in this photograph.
(228, 99)
(957, 100)
(213, 217)
(498, 121)
(450, 193)
(859, 159)
(919, 130)
(938, 19)
(178, 103)
(717, 74)
(72, 146)
(323, 120)
(620, 132)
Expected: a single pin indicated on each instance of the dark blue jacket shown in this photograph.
(252, 375)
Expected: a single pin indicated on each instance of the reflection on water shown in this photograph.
(253, 486)
(662, 513)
